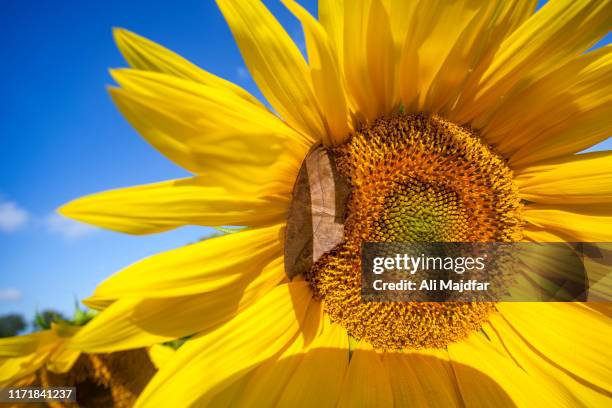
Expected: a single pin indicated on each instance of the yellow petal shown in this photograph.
(563, 113)
(160, 355)
(485, 375)
(20, 345)
(16, 368)
(268, 381)
(535, 234)
(366, 383)
(321, 372)
(62, 359)
(132, 322)
(404, 381)
(584, 178)
(276, 64)
(370, 57)
(327, 79)
(146, 55)
(441, 50)
(26, 344)
(203, 365)
(572, 82)
(481, 45)
(401, 17)
(162, 206)
(604, 308)
(160, 128)
(588, 223)
(383, 58)
(558, 331)
(600, 279)
(202, 127)
(226, 398)
(331, 16)
(64, 330)
(204, 267)
(557, 33)
(98, 303)
(597, 260)
(21, 356)
(422, 378)
(547, 340)
(355, 52)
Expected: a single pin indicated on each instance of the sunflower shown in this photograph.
(22, 356)
(409, 121)
(46, 359)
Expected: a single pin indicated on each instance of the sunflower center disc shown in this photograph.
(413, 179)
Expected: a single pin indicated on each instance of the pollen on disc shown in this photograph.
(414, 178)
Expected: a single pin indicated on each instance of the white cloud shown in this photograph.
(10, 294)
(12, 217)
(66, 227)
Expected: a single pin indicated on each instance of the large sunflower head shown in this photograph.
(444, 121)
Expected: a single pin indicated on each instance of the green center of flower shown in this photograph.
(421, 212)
(414, 179)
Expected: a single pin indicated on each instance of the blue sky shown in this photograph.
(61, 137)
